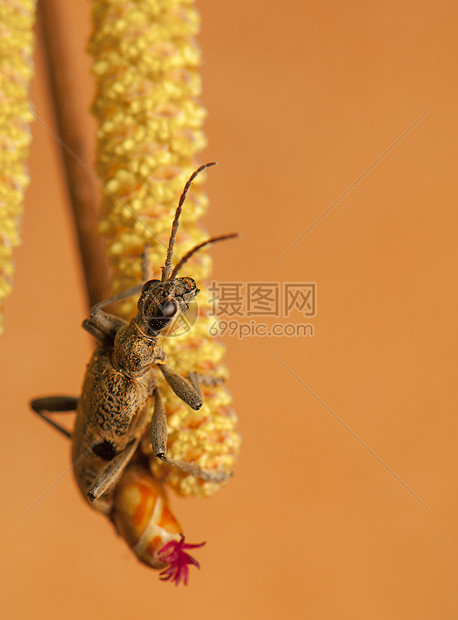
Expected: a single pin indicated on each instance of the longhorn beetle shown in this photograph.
(112, 411)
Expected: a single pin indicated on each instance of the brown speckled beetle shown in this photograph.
(112, 412)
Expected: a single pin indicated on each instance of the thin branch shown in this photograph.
(68, 114)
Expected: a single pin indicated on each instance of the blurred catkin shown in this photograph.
(16, 69)
(146, 63)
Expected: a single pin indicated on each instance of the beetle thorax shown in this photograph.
(133, 352)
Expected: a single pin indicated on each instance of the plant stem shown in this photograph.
(82, 190)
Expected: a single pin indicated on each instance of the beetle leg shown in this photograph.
(158, 436)
(194, 381)
(112, 472)
(130, 292)
(158, 426)
(189, 389)
(54, 404)
(184, 389)
(195, 470)
(197, 380)
(102, 325)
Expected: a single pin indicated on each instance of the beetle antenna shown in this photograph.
(196, 248)
(167, 268)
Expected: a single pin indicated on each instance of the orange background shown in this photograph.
(303, 98)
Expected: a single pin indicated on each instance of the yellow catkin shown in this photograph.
(146, 63)
(16, 68)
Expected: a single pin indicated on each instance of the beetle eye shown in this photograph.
(168, 309)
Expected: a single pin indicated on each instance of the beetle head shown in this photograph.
(161, 303)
